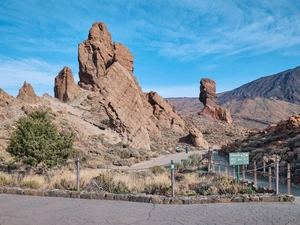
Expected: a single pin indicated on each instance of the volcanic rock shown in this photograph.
(164, 112)
(27, 94)
(106, 69)
(197, 138)
(5, 99)
(209, 98)
(65, 88)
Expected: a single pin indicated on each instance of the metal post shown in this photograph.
(270, 178)
(243, 172)
(233, 171)
(255, 176)
(172, 180)
(219, 166)
(238, 174)
(288, 179)
(277, 176)
(78, 174)
(264, 168)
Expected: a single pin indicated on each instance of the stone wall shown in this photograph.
(155, 199)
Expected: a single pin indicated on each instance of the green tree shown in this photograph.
(36, 140)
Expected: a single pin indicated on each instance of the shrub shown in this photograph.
(37, 140)
(157, 170)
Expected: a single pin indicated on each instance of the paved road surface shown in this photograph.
(31, 210)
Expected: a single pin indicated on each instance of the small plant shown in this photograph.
(207, 132)
(157, 170)
(248, 190)
(105, 122)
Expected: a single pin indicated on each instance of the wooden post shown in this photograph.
(78, 174)
(219, 166)
(270, 178)
(243, 172)
(255, 175)
(213, 166)
(288, 179)
(264, 168)
(226, 168)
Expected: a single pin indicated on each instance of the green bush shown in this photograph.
(36, 140)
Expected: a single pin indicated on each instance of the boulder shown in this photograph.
(209, 98)
(65, 88)
(27, 94)
(197, 138)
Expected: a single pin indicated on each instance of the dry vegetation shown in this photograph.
(189, 180)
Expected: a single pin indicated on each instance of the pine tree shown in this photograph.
(36, 140)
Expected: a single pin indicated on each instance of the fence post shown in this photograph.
(226, 168)
(270, 178)
(288, 179)
(213, 166)
(255, 175)
(277, 176)
(243, 172)
(172, 180)
(264, 168)
(233, 171)
(219, 166)
(78, 174)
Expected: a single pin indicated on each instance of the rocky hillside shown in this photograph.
(281, 140)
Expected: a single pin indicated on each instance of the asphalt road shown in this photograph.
(32, 210)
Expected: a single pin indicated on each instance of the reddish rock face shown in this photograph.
(5, 99)
(107, 68)
(209, 98)
(164, 112)
(197, 138)
(27, 94)
(207, 91)
(65, 88)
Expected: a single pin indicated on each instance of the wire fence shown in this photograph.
(270, 172)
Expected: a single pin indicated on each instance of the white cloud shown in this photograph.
(38, 73)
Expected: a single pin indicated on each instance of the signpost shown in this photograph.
(237, 159)
(172, 167)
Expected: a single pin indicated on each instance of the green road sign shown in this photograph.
(238, 158)
(172, 167)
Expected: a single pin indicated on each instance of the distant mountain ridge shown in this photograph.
(256, 104)
(284, 86)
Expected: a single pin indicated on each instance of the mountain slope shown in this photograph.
(283, 86)
(257, 104)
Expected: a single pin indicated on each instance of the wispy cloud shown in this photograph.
(39, 74)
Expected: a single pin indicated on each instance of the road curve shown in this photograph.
(32, 210)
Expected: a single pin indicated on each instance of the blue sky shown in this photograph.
(175, 43)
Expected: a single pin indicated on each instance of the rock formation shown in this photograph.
(106, 69)
(27, 94)
(209, 98)
(5, 99)
(164, 112)
(197, 138)
(65, 88)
